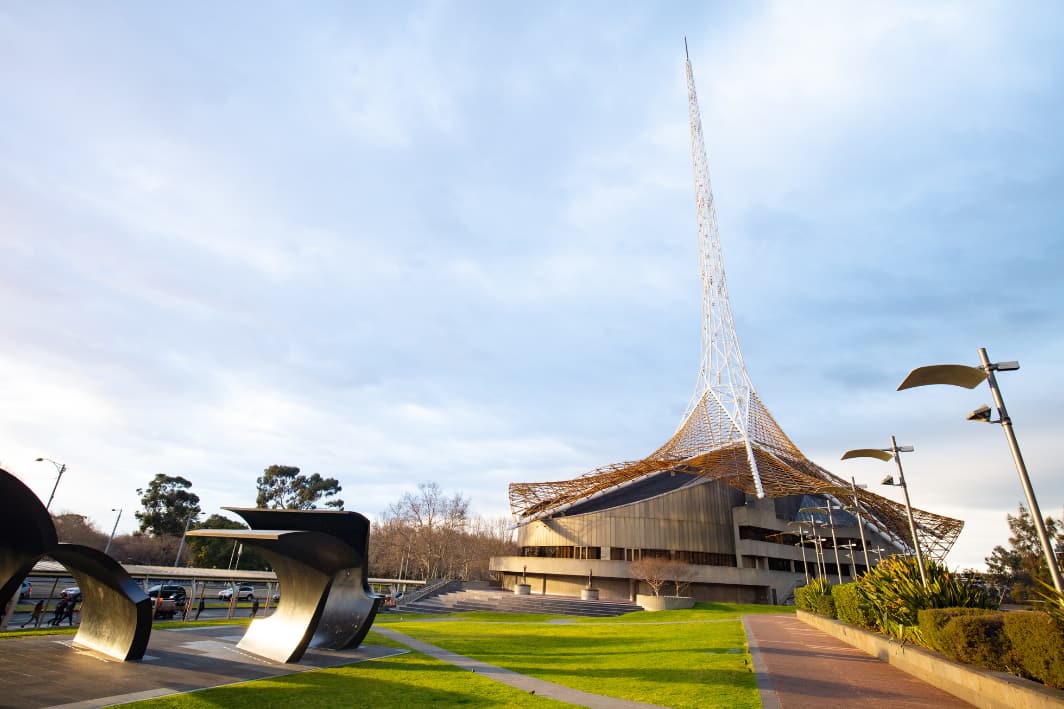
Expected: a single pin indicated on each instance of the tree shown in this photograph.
(208, 553)
(281, 486)
(654, 571)
(168, 505)
(1021, 568)
(78, 529)
(431, 528)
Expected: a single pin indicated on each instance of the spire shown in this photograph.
(722, 379)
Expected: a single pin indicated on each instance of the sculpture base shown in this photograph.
(523, 589)
(589, 594)
(664, 603)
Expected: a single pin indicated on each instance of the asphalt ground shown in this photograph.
(46, 671)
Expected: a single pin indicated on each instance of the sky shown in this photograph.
(455, 242)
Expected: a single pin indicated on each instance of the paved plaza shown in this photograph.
(797, 667)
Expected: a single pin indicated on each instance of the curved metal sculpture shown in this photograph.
(727, 433)
(116, 613)
(26, 534)
(320, 558)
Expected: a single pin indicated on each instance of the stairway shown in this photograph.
(500, 601)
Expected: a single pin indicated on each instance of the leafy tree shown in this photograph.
(168, 504)
(211, 553)
(1022, 566)
(282, 486)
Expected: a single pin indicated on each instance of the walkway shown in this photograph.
(800, 667)
(525, 683)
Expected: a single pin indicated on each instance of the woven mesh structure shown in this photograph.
(727, 433)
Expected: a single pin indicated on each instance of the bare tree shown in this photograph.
(652, 570)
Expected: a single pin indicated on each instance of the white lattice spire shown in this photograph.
(723, 383)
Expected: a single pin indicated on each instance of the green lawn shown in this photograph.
(408, 680)
(690, 658)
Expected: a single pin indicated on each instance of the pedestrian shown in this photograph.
(60, 611)
(200, 607)
(254, 607)
(38, 611)
(68, 614)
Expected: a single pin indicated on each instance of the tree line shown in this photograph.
(426, 534)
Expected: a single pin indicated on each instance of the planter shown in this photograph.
(664, 603)
(522, 589)
(589, 594)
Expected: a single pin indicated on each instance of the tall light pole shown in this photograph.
(61, 467)
(834, 542)
(970, 377)
(181, 546)
(113, 530)
(886, 454)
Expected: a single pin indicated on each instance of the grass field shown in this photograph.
(691, 658)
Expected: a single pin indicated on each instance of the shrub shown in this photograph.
(851, 607)
(894, 593)
(815, 598)
(933, 620)
(977, 639)
(1037, 642)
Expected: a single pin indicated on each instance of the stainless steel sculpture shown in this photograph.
(320, 558)
(115, 614)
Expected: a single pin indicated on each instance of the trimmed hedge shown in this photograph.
(933, 620)
(815, 598)
(1037, 646)
(851, 607)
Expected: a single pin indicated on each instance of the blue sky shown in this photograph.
(455, 242)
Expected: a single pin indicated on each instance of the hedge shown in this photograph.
(933, 620)
(852, 607)
(815, 598)
(1037, 646)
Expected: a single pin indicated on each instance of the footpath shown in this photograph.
(800, 667)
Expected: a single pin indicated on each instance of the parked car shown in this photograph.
(71, 594)
(177, 594)
(25, 590)
(243, 593)
(165, 609)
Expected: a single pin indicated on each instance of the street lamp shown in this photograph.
(61, 467)
(886, 454)
(860, 522)
(113, 530)
(834, 542)
(181, 546)
(816, 546)
(969, 378)
(853, 566)
(878, 551)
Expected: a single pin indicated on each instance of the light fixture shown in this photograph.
(969, 378)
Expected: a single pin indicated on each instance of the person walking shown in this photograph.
(68, 614)
(60, 611)
(200, 607)
(38, 611)
(254, 607)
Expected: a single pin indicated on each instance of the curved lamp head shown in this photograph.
(867, 453)
(958, 375)
(980, 414)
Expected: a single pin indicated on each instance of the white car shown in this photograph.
(243, 593)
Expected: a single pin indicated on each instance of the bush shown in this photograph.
(1037, 643)
(933, 620)
(851, 607)
(977, 639)
(894, 593)
(815, 598)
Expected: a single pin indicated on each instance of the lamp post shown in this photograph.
(834, 542)
(61, 467)
(860, 523)
(886, 454)
(969, 378)
(853, 566)
(801, 543)
(113, 530)
(878, 551)
(181, 546)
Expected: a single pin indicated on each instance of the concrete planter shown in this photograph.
(589, 594)
(523, 589)
(664, 603)
(982, 688)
